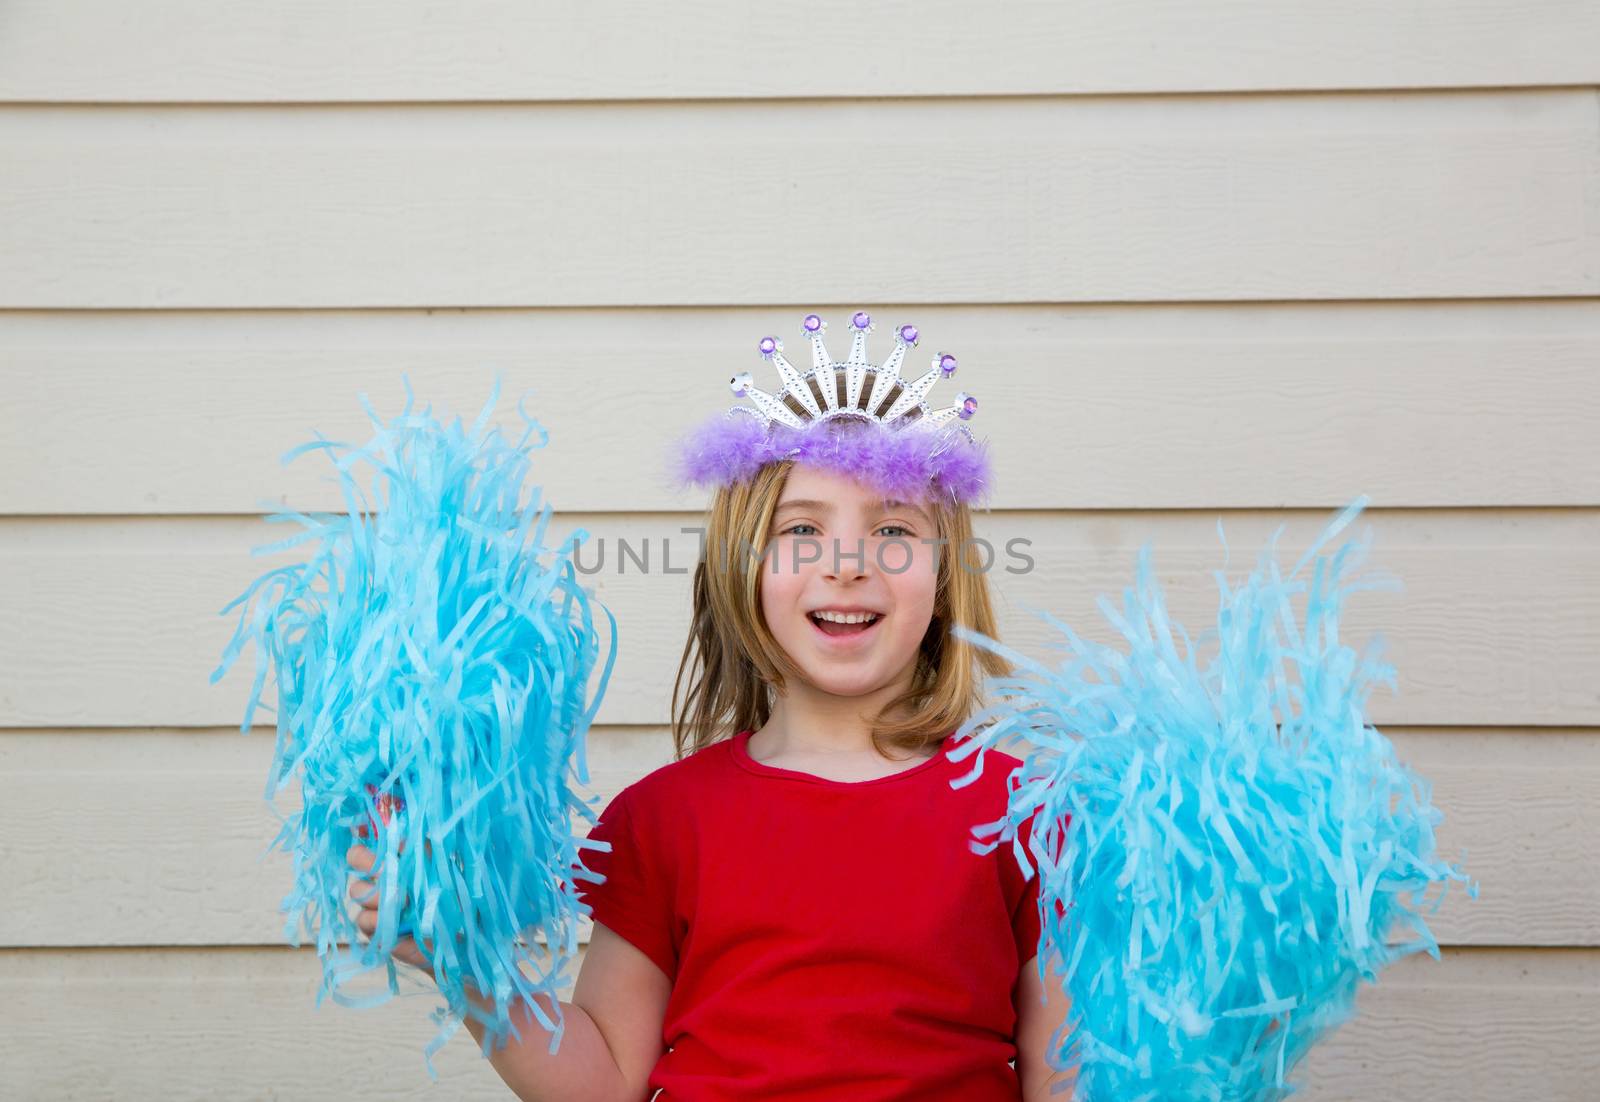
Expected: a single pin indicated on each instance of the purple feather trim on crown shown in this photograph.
(906, 463)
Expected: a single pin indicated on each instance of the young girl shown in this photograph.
(791, 908)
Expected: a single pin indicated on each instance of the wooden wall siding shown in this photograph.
(1124, 407)
(1498, 623)
(1224, 258)
(1337, 196)
(195, 50)
(175, 1024)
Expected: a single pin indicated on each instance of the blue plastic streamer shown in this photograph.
(1226, 848)
(432, 660)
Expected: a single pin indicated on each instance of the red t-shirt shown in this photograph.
(826, 939)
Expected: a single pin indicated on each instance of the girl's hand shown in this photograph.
(364, 891)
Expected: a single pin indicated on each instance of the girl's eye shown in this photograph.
(897, 527)
(792, 527)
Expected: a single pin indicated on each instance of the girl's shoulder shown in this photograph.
(992, 765)
(688, 776)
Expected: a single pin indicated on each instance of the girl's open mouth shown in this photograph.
(834, 630)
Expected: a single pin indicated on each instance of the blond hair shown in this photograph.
(732, 663)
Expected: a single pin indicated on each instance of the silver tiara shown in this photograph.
(888, 399)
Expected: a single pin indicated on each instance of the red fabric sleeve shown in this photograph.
(1025, 917)
(634, 902)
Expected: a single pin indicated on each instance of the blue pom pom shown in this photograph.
(432, 662)
(1225, 849)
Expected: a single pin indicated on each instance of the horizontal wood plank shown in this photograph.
(1416, 404)
(159, 837)
(1339, 196)
(1477, 1026)
(114, 622)
(176, 51)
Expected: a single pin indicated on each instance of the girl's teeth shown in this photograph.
(835, 624)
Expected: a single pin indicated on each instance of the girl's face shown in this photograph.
(835, 545)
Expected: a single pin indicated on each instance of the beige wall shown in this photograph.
(1219, 258)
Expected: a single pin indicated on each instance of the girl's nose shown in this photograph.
(849, 556)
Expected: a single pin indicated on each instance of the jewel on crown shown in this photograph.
(852, 389)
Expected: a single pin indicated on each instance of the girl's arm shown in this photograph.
(1040, 1012)
(613, 1025)
(613, 1031)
